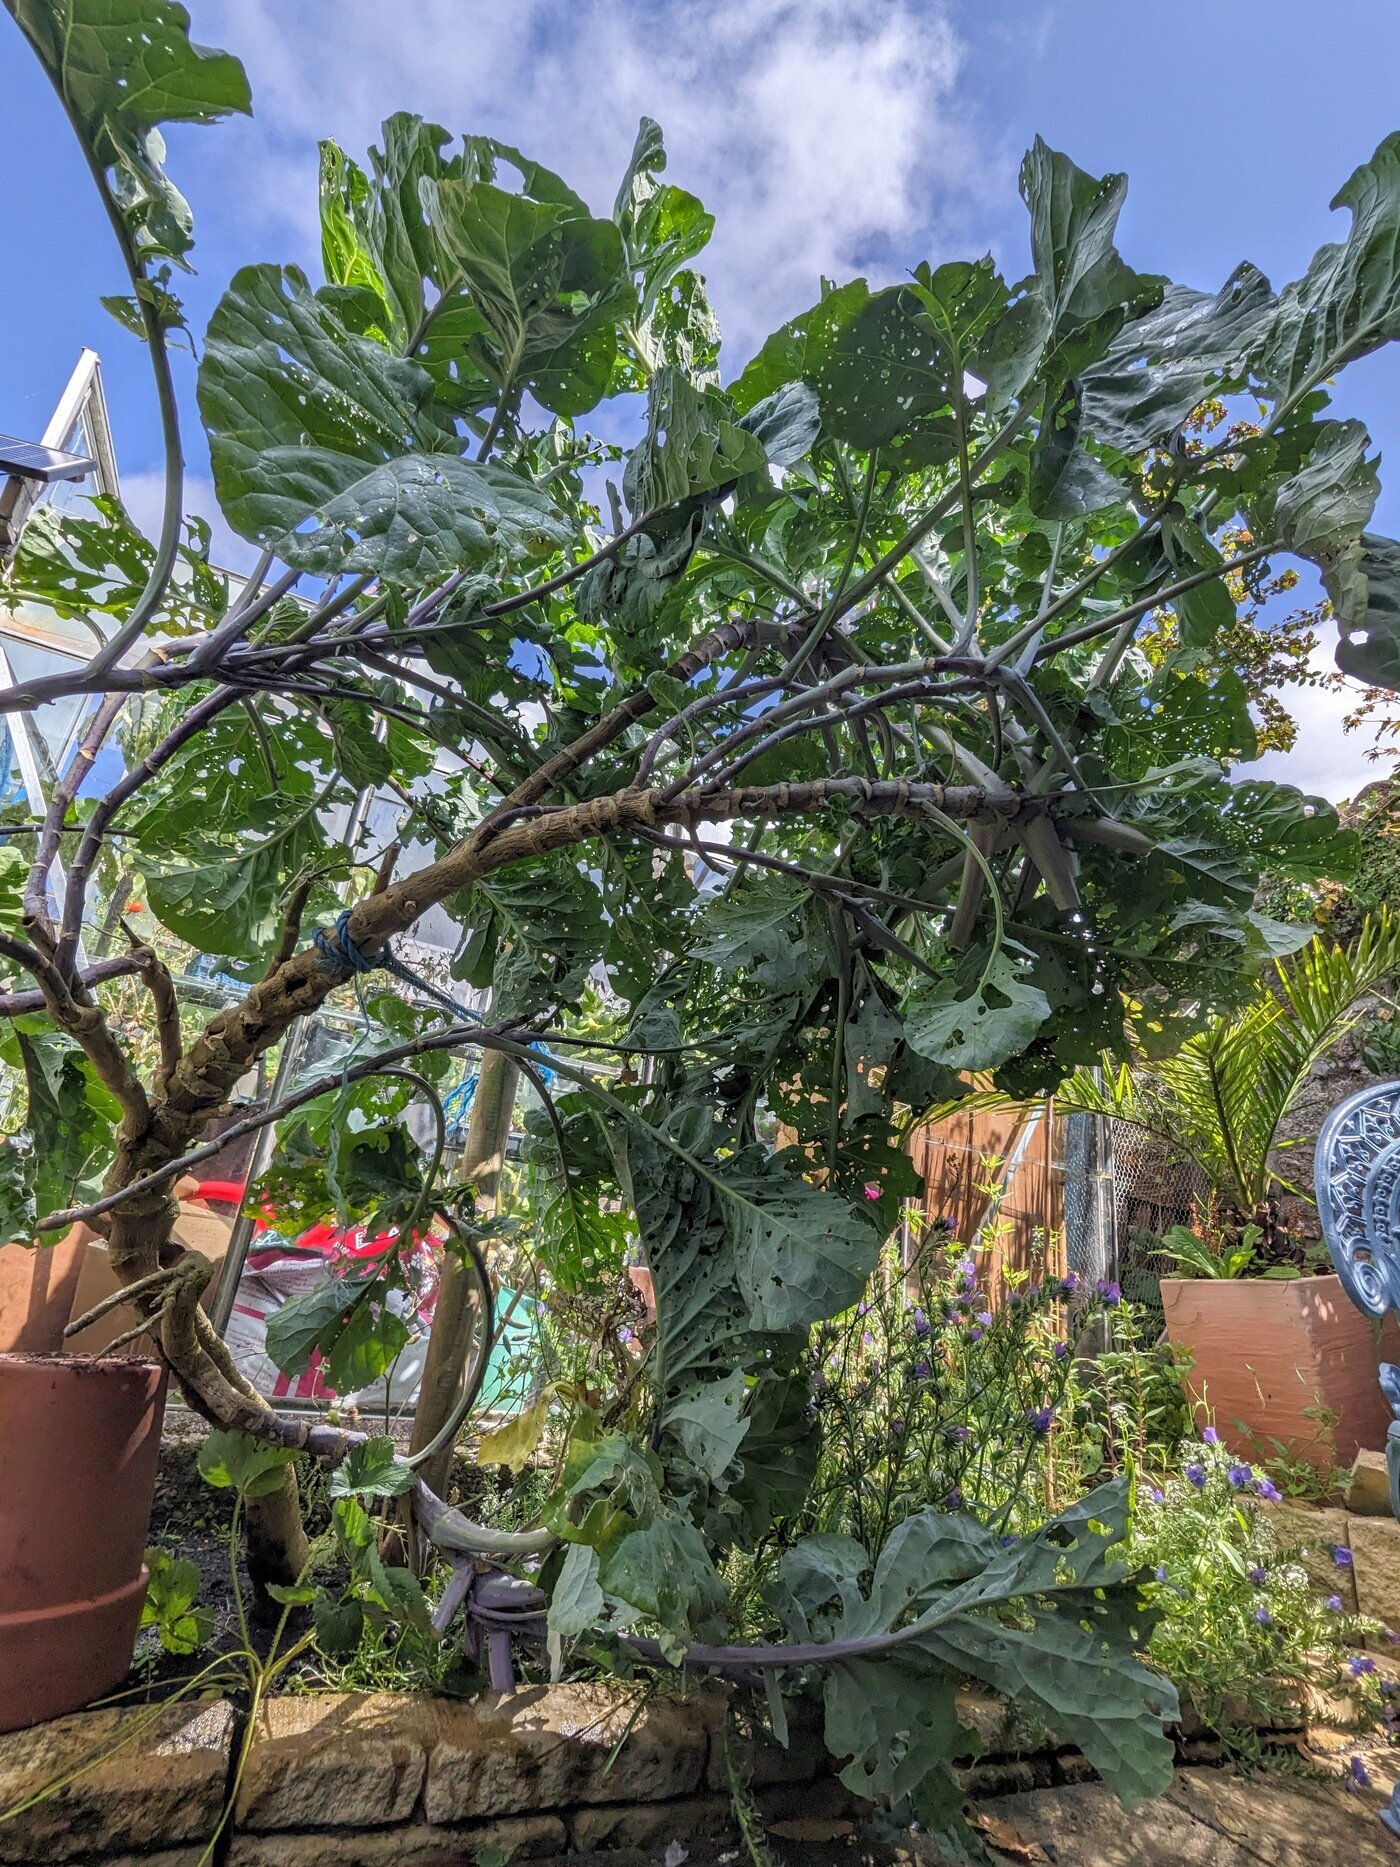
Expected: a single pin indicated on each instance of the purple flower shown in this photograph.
(1195, 1475)
(897, 1427)
(1061, 1351)
(1069, 1284)
(922, 1325)
(954, 1499)
(1263, 1616)
(1157, 1494)
(1108, 1291)
(866, 1338)
(1239, 1476)
(985, 1318)
(1258, 1577)
(1268, 1490)
(1388, 1688)
(1341, 1555)
(1161, 1572)
(1334, 1602)
(1360, 1664)
(862, 1309)
(959, 1434)
(922, 1370)
(1391, 1636)
(1211, 1437)
(1040, 1418)
(974, 1334)
(1360, 1775)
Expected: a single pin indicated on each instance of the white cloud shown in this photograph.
(824, 134)
(143, 494)
(1326, 760)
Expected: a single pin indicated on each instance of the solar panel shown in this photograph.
(31, 460)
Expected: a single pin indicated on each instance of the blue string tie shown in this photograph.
(341, 957)
(339, 953)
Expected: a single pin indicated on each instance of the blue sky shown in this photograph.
(828, 135)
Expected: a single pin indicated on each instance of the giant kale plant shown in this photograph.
(851, 627)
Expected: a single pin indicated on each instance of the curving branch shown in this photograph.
(18, 1004)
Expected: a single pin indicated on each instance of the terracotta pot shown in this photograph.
(37, 1283)
(1270, 1356)
(79, 1442)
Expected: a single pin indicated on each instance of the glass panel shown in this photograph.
(53, 728)
(13, 801)
(65, 495)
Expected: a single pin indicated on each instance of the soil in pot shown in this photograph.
(79, 1443)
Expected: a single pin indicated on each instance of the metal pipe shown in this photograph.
(241, 1237)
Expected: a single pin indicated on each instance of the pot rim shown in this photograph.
(36, 1358)
(1280, 1283)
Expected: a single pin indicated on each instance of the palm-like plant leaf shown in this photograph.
(1221, 1100)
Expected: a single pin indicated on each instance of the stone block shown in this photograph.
(698, 1821)
(1003, 1776)
(757, 1754)
(693, 1821)
(1368, 1494)
(195, 1855)
(337, 1760)
(1375, 1551)
(1310, 1534)
(1003, 1727)
(136, 1778)
(1208, 1818)
(553, 1748)
(518, 1838)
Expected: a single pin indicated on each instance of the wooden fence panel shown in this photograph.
(963, 1161)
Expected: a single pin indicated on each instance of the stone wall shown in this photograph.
(400, 1780)
(562, 1773)
(405, 1780)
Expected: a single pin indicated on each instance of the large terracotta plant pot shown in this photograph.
(79, 1441)
(1274, 1360)
(37, 1284)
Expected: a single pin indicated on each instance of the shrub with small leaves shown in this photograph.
(1243, 1630)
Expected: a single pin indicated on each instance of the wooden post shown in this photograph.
(455, 1316)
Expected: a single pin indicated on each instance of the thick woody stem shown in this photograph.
(161, 987)
(234, 1038)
